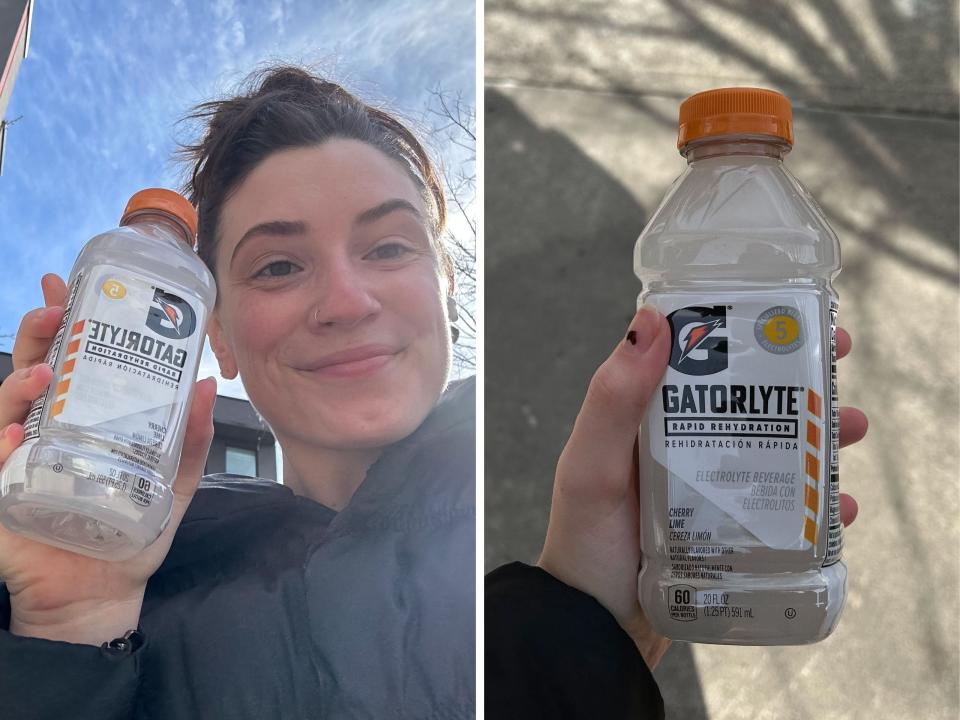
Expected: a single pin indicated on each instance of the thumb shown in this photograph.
(196, 443)
(193, 458)
(600, 448)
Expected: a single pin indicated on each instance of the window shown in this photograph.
(241, 461)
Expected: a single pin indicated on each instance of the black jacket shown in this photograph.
(553, 652)
(270, 605)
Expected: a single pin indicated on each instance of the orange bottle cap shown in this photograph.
(735, 111)
(166, 200)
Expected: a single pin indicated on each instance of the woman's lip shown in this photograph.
(355, 361)
(353, 368)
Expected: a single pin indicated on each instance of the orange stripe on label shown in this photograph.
(62, 387)
(73, 347)
(810, 531)
(811, 498)
(77, 328)
(813, 434)
(814, 403)
(813, 467)
(68, 366)
(57, 408)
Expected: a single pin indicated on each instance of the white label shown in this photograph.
(740, 418)
(127, 356)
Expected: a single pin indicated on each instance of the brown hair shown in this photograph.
(284, 107)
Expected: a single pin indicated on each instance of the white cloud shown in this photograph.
(239, 37)
(278, 17)
(224, 9)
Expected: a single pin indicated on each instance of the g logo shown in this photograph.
(171, 316)
(698, 340)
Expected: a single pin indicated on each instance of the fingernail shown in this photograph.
(644, 328)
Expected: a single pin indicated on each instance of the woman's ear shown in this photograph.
(451, 277)
(221, 348)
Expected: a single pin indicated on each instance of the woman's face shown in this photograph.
(331, 305)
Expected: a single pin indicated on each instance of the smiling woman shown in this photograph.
(349, 591)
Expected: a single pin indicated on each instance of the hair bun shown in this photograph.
(294, 81)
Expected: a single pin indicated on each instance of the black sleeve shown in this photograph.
(43, 679)
(555, 652)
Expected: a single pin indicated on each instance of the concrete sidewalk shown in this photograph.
(580, 146)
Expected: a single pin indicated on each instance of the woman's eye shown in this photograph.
(389, 251)
(279, 268)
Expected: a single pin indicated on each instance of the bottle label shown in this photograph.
(127, 352)
(743, 429)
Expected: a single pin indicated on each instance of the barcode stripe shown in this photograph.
(835, 531)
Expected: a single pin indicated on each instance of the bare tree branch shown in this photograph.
(454, 123)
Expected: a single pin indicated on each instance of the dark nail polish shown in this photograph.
(632, 337)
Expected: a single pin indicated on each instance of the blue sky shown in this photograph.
(105, 83)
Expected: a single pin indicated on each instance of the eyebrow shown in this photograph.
(291, 228)
(273, 228)
(384, 209)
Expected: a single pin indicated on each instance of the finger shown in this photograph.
(844, 343)
(35, 335)
(853, 426)
(848, 509)
(10, 440)
(197, 439)
(601, 444)
(54, 290)
(196, 444)
(20, 389)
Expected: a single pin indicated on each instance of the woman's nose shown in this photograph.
(345, 298)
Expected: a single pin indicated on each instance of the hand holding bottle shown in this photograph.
(56, 594)
(593, 538)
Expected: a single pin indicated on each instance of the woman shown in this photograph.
(347, 592)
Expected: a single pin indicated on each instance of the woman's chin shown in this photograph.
(377, 408)
(350, 429)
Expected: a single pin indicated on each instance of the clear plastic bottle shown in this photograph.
(741, 533)
(102, 445)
